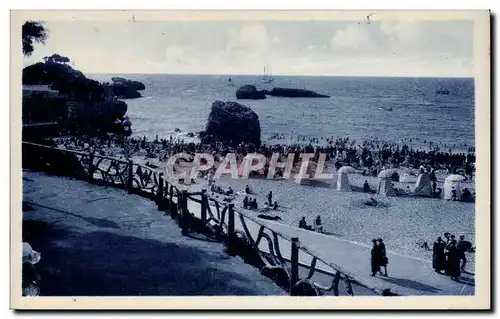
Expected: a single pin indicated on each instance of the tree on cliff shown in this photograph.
(33, 32)
(56, 58)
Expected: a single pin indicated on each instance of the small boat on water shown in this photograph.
(442, 91)
(230, 82)
(385, 108)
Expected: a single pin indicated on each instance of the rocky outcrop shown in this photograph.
(136, 85)
(48, 73)
(41, 104)
(250, 92)
(286, 92)
(232, 123)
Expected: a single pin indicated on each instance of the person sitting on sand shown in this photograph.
(254, 204)
(371, 202)
(229, 191)
(438, 255)
(366, 187)
(318, 225)
(408, 190)
(303, 223)
(275, 206)
(247, 189)
(245, 202)
(453, 194)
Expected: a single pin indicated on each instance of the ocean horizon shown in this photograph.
(356, 109)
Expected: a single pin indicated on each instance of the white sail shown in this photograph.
(267, 78)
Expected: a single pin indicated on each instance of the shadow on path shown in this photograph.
(98, 222)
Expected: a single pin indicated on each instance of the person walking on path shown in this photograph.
(453, 262)
(375, 258)
(438, 255)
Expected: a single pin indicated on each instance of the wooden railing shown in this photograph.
(276, 255)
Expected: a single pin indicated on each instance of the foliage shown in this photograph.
(33, 32)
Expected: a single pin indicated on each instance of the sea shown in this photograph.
(175, 105)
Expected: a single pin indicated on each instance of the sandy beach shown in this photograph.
(402, 221)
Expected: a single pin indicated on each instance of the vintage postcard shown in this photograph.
(250, 160)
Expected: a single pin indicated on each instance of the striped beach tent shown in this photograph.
(343, 178)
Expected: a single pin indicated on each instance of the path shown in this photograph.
(98, 241)
(407, 275)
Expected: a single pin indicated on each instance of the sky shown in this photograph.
(337, 48)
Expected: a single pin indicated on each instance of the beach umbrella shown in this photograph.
(455, 178)
(30, 255)
(386, 173)
(346, 169)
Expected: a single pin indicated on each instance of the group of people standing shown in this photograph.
(449, 255)
(249, 203)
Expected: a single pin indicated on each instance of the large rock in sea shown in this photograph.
(286, 92)
(55, 92)
(136, 85)
(232, 123)
(48, 73)
(250, 92)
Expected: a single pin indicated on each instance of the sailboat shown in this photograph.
(267, 77)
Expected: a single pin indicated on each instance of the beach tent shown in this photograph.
(452, 181)
(243, 161)
(407, 178)
(423, 187)
(385, 183)
(343, 179)
(311, 170)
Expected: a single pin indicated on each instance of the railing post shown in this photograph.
(91, 167)
(130, 176)
(204, 203)
(230, 230)
(336, 280)
(184, 213)
(171, 201)
(294, 260)
(160, 191)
